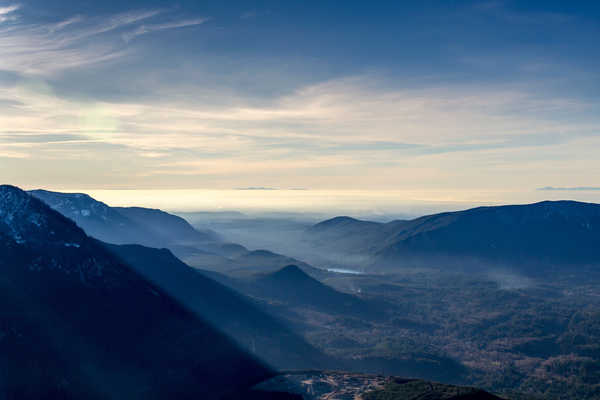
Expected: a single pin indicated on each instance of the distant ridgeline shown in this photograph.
(124, 225)
(534, 238)
(200, 248)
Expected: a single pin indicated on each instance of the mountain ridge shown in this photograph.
(156, 228)
(546, 235)
(140, 343)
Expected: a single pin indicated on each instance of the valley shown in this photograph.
(506, 330)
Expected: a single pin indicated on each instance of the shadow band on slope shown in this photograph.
(237, 316)
(77, 323)
(262, 334)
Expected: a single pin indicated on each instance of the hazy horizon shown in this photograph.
(325, 203)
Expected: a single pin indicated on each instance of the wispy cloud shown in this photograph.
(119, 21)
(357, 130)
(13, 154)
(49, 48)
(8, 9)
(5, 13)
(342, 117)
(256, 188)
(65, 23)
(574, 188)
(149, 28)
(41, 138)
(77, 41)
(414, 138)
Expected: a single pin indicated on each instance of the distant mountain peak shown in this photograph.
(343, 222)
(27, 219)
(14, 204)
(6, 188)
(338, 220)
(77, 203)
(11, 196)
(292, 278)
(290, 271)
(151, 227)
(73, 195)
(262, 253)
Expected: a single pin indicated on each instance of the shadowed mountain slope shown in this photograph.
(532, 238)
(293, 287)
(77, 322)
(155, 228)
(168, 225)
(535, 237)
(266, 261)
(124, 225)
(231, 312)
(346, 235)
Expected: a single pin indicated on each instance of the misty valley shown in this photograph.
(131, 302)
(296, 200)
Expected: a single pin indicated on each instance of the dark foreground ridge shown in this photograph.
(232, 313)
(77, 323)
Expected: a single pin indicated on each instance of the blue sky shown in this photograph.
(448, 96)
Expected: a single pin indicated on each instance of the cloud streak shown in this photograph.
(145, 29)
(75, 42)
(312, 137)
(5, 13)
(574, 188)
(88, 91)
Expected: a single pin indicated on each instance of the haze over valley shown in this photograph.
(367, 297)
(317, 200)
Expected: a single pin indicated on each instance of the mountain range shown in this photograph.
(202, 248)
(534, 238)
(77, 322)
(85, 318)
(125, 225)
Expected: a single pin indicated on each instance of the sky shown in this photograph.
(465, 101)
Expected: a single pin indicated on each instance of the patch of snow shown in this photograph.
(76, 245)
